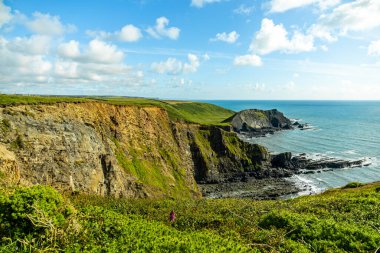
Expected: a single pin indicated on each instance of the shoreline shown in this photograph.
(256, 189)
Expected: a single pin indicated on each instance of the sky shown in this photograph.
(192, 49)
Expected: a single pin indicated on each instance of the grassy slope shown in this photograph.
(193, 112)
(341, 220)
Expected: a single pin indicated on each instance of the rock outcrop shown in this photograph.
(259, 122)
(221, 156)
(303, 164)
(121, 151)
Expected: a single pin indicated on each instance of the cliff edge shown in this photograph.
(119, 150)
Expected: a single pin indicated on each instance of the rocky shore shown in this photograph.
(269, 181)
(258, 189)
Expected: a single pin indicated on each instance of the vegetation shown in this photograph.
(39, 219)
(192, 112)
(353, 185)
(18, 143)
(21, 99)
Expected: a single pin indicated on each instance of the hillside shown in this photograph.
(121, 164)
(124, 147)
(38, 219)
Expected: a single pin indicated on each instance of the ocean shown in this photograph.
(340, 129)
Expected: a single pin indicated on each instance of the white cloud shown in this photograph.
(321, 32)
(360, 15)
(248, 60)
(86, 72)
(176, 82)
(140, 74)
(230, 38)
(273, 37)
(101, 52)
(39, 59)
(130, 33)
(374, 48)
(300, 43)
(161, 30)
(172, 66)
(324, 48)
(5, 14)
(25, 61)
(193, 64)
(244, 9)
(206, 57)
(201, 3)
(69, 49)
(45, 24)
(97, 51)
(34, 45)
(285, 5)
(17, 66)
(66, 69)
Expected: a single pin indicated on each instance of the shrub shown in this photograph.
(323, 235)
(31, 211)
(352, 185)
(18, 143)
(5, 124)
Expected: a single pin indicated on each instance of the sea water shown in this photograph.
(340, 129)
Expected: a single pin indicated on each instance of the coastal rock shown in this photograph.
(259, 122)
(283, 160)
(307, 165)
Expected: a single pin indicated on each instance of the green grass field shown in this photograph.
(191, 112)
(38, 219)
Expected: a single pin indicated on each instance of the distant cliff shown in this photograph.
(259, 122)
(119, 150)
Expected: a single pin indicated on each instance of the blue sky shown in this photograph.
(192, 49)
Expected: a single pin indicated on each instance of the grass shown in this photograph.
(38, 219)
(187, 111)
(21, 99)
(341, 220)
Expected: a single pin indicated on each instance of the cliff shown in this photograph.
(253, 119)
(120, 150)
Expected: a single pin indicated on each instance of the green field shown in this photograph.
(38, 219)
(191, 112)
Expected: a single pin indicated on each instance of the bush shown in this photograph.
(18, 143)
(31, 211)
(323, 235)
(109, 231)
(5, 124)
(352, 185)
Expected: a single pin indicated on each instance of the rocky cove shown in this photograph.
(135, 151)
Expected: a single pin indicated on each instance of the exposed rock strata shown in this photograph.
(123, 151)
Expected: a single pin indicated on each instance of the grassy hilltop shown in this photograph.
(192, 112)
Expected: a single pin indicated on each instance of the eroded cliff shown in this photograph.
(123, 151)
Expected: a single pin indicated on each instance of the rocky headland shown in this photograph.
(271, 182)
(254, 122)
(148, 151)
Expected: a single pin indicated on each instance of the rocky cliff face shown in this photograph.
(123, 151)
(221, 156)
(253, 119)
